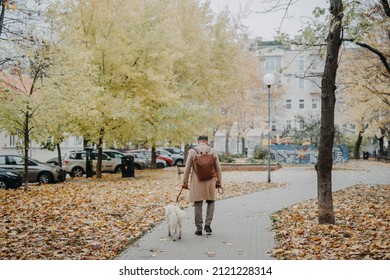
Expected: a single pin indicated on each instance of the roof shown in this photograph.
(15, 82)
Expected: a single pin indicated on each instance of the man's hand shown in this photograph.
(218, 186)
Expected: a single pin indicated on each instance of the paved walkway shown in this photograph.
(241, 226)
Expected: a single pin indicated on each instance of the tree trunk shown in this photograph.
(388, 151)
(2, 16)
(99, 159)
(59, 155)
(227, 136)
(26, 149)
(327, 131)
(357, 145)
(186, 149)
(381, 143)
(381, 146)
(243, 146)
(154, 157)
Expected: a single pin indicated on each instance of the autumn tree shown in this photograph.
(347, 23)
(233, 100)
(365, 73)
(308, 130)
(23, 78)
(109, 73)
(146, 71)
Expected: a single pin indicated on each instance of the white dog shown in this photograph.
(175, 218)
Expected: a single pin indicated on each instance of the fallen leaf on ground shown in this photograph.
(361, 231)
(91, 218)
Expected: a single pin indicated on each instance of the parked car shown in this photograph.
(139, 163)
(74, 163)
(174, 151)
(9, 179)
(147, 156)
(165, 157)
(38, 172)
(168, 160)
(178, 159)
(53, 161)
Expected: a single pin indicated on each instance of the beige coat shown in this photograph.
(201, 190)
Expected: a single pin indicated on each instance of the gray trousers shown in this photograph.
(198, 205)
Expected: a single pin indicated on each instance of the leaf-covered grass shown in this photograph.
(361, 231)
(90, 218)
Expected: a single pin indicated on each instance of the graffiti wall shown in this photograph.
(292, 154)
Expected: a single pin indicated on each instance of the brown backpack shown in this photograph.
(204, 165)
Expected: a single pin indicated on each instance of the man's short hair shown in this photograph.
(203, 137)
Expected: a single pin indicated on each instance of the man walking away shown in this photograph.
(205, 178)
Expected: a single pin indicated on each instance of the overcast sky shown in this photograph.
(266, 25)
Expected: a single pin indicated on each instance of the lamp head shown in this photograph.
(269, 79)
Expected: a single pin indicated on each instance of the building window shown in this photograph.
(316, 63)
(314, 85)
(288, 80)
(301, 103)
(288, 104)
(301, 83)
(314, 103)
(301, 63)
(12, 140)
(272, 63)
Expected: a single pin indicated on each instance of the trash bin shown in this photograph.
(88, 162)
(365, 155)
(127, 166)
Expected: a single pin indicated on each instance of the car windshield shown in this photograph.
(138, 155)
(77, 156)
(115, 154)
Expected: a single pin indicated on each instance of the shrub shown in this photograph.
(260, 153)
(225, 158)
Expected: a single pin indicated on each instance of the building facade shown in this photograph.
(10, 144)
(296, 94)
(298, 76)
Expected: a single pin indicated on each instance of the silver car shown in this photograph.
(74, 163)
(38, 172)
(145, 155)
(139, 163)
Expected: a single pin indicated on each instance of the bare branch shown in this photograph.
(280, 5)
(375, 51)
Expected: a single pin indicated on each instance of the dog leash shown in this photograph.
(178, 196)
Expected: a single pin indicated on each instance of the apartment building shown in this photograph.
(298, 77)
(296, 93)
(10, 144)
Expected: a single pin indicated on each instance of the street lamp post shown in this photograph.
(269, 80)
